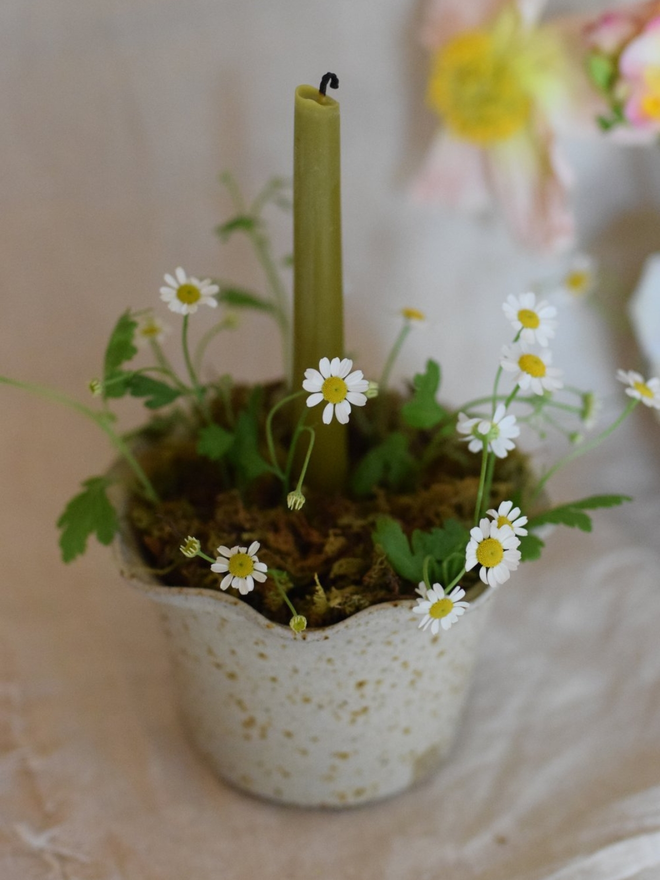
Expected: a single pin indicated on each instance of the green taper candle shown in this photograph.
(318, 329)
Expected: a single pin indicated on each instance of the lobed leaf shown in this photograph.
(157, 393)
(389, 463)
(90, 512)
(572, 514)
(530, 547)
(214, 442)
(241, 223)
(237, 298)
(120, 348)
(423, 410)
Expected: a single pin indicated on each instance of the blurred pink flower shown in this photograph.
(498, 83)
(639, 65)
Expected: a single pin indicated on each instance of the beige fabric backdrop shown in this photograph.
(115, 119)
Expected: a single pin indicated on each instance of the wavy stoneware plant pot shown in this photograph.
(334, 717)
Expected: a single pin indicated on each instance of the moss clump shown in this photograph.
(328, 562)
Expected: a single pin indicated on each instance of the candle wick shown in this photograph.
(330, 79)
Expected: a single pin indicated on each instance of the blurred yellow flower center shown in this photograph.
(441, 608)
(150, 330)
(503, 521)
(413, 314)
(241, 565)
(490, 553)
(577, 281)
(643, 389)
(532, 364)
(334, 389)
(651, 100)
(528, 318)
(188, 294)
(477, 90)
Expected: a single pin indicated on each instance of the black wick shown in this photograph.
(330, 79)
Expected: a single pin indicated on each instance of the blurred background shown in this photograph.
(116, 119)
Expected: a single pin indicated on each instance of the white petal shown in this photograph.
(356, 398)
(253, 548)
(226, 582)
(324, 367)
(225, 551)
(180, 275)
(342, 412)
(313, 399)
(260, 566)
(259, 576)
(312, 386)
(344, 368)
(334, 366)
(327, 414)
(219, 567)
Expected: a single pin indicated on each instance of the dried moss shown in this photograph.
(331, 567)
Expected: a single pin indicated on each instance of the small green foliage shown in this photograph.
(440, 544)
(90, 512)
(602, 71)
(242, 223)
(244, 452)
(121, 348)
(530, 547)
(389, 464)
(424, 411)
(573, 516)
(157, 393)
(214, 442)
(237, 298)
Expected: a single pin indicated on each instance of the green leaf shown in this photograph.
(88, 513)
(390, 536)
(602, 71)
(120, 349)
(157, 393)
(530, 547)
(441, 542)
(572, 514)
(244, 299)
(424, 411)
(243, 223)
(389, 463)
(244, 452)
(214, 442)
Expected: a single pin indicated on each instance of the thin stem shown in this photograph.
(482, 483)
(197, 388)
(454, 582)
(489, 483)
(292, 449)
(494, 398)
(283, 593)
(208, 337)
(100, 419)
(585, 447)
(425, 571)
(393, 355)
(206, 556)
(303, 470)
(165, 365)
(269, 430)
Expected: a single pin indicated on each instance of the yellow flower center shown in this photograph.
(334, 389)
(529, 318)
(441, 608)
(188, 294)
(411, 314)
(490, 553)
(241, 565)
(149, 330)
(532, 364)
(651, 100)
(476, 89)
(503, 521)
(577, 281)
(643, 389)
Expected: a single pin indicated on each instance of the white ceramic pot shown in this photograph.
(334, 717)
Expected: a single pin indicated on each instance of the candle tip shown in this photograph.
(330, 79)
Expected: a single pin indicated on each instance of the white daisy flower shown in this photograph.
(646, 390)
(338, 386)
(494, 548)
(531, 319)
(183, 294)
(440, 610)
(508, 515)
(533, 370)
(580, 277)
(497, 432)
(242, 566)
(151, 329)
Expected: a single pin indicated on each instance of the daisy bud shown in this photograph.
(298, 623)
(372, 390)
(190, 547)
(295, 500)
(96, 387)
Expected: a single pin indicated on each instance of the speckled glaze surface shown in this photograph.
(334, 717)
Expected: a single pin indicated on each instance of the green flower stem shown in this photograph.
(511, 397)
(167, 367)
(482, 484)
(425, 571)
(197, 388)
(282, 593)
(494, 397)
(308, 455)
(454, 582)
(269, 431)
(393, 355)
(489, 483)
(586, 447)
(206, 556)
(100, 419)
